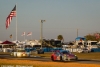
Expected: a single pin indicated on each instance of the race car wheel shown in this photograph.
(76, 58)
(60, 58)
(52, 58)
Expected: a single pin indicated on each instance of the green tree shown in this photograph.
(91, 37)
(60, 37)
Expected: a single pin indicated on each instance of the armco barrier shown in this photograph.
(76, 49)
(70, 49)
(73, 49)
(95, 50)
(51, 49)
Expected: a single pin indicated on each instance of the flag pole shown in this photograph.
(24, 37)
(16, 21)
(12, 38)
(31, 35)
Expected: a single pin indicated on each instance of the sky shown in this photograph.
(63, 17)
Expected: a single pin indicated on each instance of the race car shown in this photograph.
(20, 53)
(63, 55)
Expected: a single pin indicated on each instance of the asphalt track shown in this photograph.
(44, 59)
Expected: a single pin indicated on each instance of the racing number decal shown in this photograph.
(58, 57)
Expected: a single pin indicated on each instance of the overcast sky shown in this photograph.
(63, 17)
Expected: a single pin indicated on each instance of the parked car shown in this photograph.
(20, 53)
(63, 55)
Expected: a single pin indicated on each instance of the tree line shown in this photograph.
(92, 37)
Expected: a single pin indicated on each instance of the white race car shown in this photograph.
(20, 53)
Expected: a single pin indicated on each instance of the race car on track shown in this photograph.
(20, 53)
(63, 55)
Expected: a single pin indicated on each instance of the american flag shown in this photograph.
(9, 18)
(30, 33)
(23, 34)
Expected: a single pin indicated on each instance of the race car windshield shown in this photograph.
(66, 52)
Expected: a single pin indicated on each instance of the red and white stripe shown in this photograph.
(9, 18)
(30, 33)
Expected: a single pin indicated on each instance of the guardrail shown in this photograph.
(51, 49)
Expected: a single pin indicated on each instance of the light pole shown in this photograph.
(42, 32)
(77, 32)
